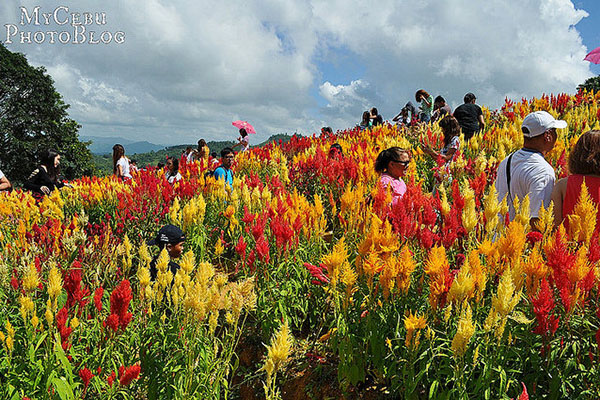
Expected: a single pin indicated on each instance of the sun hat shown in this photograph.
(168, 234)
(539, 122)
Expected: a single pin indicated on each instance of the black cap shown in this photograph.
(168, 234)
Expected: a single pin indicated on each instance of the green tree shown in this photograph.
(33, 117)
(591, 84)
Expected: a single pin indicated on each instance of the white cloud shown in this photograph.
(188, 68)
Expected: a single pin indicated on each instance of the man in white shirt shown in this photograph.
(4, 182)
(526, 171)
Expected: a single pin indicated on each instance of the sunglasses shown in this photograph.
(403, 163)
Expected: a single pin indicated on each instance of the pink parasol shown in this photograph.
(245, 125)
(593, 56)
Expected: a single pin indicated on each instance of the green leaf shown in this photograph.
(63, 389)
(433, 389)
(519, 317)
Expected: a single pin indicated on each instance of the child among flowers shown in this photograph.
(391, 164)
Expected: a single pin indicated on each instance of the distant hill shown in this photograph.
(103, 161)
(104, 145)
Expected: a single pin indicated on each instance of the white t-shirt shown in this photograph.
(124, 163)
(530, 174)
(1, 174)
(246, 142)
(174, 178)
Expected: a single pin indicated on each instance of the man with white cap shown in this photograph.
(526, 171)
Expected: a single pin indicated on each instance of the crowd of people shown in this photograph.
(524, 172)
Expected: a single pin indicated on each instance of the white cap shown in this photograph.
(539, 122)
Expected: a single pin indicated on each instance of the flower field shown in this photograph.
(436, 297)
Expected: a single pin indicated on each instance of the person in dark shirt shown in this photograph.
(376, 117)
(44, 180)
(171, 238)
(440, 109)
(406, 115)
(469, 116)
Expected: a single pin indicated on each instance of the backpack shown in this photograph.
(212, 172)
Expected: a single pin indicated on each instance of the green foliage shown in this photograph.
(33, 117)
(590, 84)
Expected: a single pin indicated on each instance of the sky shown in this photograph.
(172, 72)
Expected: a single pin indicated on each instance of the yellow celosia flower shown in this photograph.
(144, 277)
(74, 322)
(280, 348)
(469, 215)
(187, 262)
(444, 205)
(219, 248)
(464, 333)
(581, 226)
(491, 210)
(31, 279)
(406, 266)
(412, 323)
(580, 268)
(144, 254)
(54, 283)
(437, 263)
(49, 314)
(503, 303)
(511, 245)
(27, 306)
(334, 261)
(462, 287)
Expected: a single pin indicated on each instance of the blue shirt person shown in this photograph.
(223, 171)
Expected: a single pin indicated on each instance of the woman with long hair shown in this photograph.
(172, 173)
(391, 164)
(45, 178)
(120, 162)
(451, 130)
(584, 167)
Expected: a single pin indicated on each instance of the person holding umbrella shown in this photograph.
(245, 128)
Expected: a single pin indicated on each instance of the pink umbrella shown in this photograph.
(245, 125)
(593, 56)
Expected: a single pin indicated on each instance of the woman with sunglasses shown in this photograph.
(391, 164)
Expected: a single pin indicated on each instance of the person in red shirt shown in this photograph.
(584, 166)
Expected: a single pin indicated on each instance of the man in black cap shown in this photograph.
(171, 238)
(469, 117)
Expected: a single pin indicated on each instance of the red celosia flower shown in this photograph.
(98, 298)
(543, 305)
(262, 249)
(86, 376)
(14, 282)
(127, 375)
(64, 330)
(119, 303)
(111, 378)
(240, 248)
(76, 293)
(534, 237)
(524, 395)
(317, 272)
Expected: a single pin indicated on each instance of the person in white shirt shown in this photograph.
(4, 182)
(120, 162)
(243, 140)
(526, 171)
(172, 167)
